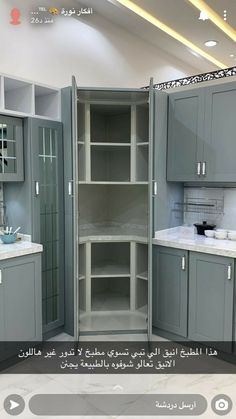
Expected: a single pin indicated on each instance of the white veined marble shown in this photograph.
(20, 248)
(185, 238)
(208, 385)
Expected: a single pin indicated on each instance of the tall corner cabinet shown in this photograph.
(116, 142)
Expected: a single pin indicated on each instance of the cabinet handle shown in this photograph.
(199, 168)
(0, 277)
(229, 272)
(204, 168)
(37, 188)
(70, 188)
(154, 187)
(183, 263)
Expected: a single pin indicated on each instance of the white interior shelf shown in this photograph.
(113, 277)
(113, 153)
(143, 275)
(108, 294)
(18, 96)
(113, 143)
(47, 102)
(23, 98)
(110, 123)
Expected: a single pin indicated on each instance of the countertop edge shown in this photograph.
(112, 238)
(195, 248)
(10, 253)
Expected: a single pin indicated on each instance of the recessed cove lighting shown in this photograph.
(211, 43)
(195, 53)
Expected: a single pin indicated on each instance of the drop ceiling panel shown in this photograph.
(181, 16)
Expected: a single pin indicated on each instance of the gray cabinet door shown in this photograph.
(210, 297)
(48, 215)
(20, 299)
(170, 283)
(185, 135)
(220, 129)
(11, 149)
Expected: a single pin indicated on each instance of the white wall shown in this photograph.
(226, 220)
(97, 52)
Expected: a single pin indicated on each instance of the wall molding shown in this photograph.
(198, 78)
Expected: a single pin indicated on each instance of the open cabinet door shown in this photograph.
(75, 209)
(150, 205)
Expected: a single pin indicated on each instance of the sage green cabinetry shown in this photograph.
(185, 135)
(193, 295)
(20, 299)
(201, 131)
(170, 292)
(11, 149)
(37, 205)
(211, 293)
(220, 129)
(48, 215)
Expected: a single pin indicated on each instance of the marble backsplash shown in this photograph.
(225, 196)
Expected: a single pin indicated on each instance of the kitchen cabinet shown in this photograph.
(11, 149)
(20, 299)
(37, 205)
(220, 128)
(107, 199)
(170, 289)
(185, 135)
(48, 215)
(193, 295)
(201, 129)
(211, 293)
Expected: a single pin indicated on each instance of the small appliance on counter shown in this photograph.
(204, 226)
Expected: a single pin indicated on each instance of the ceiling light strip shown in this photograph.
(169, 31)
(215, 18)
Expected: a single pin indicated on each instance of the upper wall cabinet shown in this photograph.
(23, 98)
(185, 135)
(11, 149)
(201, 129)
(220, 129)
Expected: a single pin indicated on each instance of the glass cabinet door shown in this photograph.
(11, 149)
(49, 216)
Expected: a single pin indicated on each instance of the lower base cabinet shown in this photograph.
(20, 299)
(211, 294)
(170, 296)
(193, 295)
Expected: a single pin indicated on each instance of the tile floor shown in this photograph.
(206, 384)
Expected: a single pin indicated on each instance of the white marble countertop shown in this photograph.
(19, 248)
(185, 238)
(97, 233)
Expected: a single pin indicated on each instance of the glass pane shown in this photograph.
(7, 149)
(49, 205)
(9, 165)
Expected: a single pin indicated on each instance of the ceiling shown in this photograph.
(181, 16)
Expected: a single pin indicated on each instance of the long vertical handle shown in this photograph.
(70, 188)
(229, 272)
(183, 263)
(203, 168)
(37, 188)
(199, 168)
(0, 277)
(154, 188)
